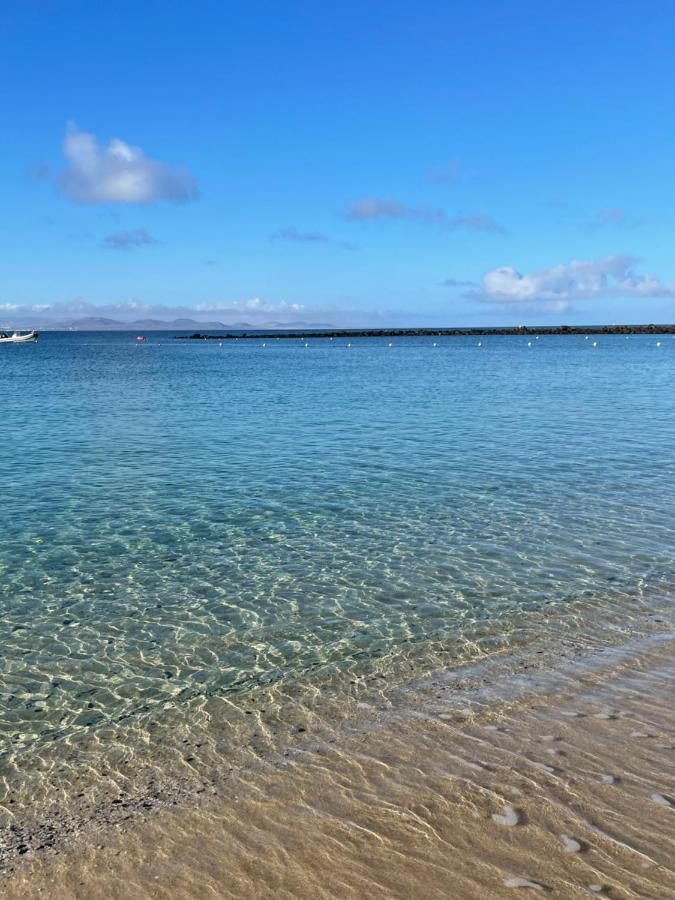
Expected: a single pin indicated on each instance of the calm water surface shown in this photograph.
(182, 519)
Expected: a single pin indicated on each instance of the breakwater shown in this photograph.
(432, 332)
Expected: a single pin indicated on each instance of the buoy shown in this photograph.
(391, 345)
(480, 344)
(595, 343)
(658, 343)
(264, 345)
(529, 343)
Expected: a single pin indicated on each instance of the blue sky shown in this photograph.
(363, 163)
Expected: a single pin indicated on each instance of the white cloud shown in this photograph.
(119, 173)
(555, 289)
(255, 304)
(371, 208)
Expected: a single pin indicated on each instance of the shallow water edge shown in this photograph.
(576, 737)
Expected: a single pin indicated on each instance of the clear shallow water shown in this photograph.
(183, 520)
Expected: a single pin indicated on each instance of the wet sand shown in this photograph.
(486, 782)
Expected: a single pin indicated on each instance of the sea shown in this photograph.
(225, 539)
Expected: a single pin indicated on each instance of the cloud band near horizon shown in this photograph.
(554, 289)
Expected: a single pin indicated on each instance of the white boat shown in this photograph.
(18, 337)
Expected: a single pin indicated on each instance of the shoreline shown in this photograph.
(383, 736)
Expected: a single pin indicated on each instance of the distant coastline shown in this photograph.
(437, 332)
(100, 323)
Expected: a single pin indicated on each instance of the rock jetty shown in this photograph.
(431, 332)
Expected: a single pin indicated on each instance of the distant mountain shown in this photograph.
(90, 323)
(174, 324)
(100, 323)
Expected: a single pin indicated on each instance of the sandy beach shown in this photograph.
(494, 780)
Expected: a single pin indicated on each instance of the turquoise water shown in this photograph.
(183, 518)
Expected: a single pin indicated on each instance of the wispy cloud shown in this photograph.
(291, 233)
(369, 208)
(610, 217)
(373, 208)
(127, 240)
(556, 203)
(119, 173)
(554, 289)
(40, 171)
(476, 222)
(455, 282)
(294, 235)
(444, 174)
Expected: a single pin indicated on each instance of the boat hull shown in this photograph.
(16, 338)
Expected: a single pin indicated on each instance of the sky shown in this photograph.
(370, 163)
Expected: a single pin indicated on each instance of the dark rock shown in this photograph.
(438, 332)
